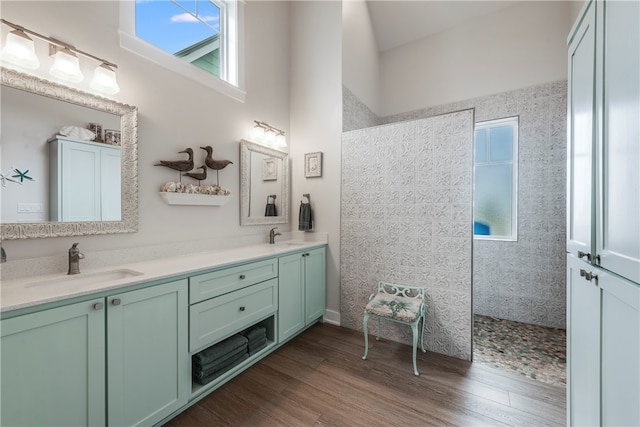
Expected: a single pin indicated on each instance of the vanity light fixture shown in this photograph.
(264, 133)
(19, 50)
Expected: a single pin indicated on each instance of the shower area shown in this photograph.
(508, 297)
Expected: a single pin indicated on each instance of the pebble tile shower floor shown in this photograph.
(533, 351)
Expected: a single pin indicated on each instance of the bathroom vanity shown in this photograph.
(115, 347)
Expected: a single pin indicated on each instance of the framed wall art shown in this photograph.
(269, 170)
(313, 165)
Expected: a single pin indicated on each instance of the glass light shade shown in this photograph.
(104, 80)
(66, 66)
(270, 137)
(281, 141)
(19, 50)
(257, 134)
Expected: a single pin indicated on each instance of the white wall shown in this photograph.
(316, 121)
(520, 46)
(360, 58)
(174, 113)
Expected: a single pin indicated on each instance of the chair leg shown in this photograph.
(422, 336)
(378, 334)
(414, 329)
(366, 336)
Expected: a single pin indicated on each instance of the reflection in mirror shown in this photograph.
(33, 113)
(264, 185)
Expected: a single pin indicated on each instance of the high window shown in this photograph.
(190, 37)
(495, 179)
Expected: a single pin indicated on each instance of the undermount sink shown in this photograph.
(87, 279)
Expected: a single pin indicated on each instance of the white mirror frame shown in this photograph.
(129, 161)
(246, 148)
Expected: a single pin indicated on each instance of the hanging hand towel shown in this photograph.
(305, 219)
(270, 210)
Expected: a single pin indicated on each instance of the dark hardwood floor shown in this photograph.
(320, 379)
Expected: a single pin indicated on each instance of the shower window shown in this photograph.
(495, 179)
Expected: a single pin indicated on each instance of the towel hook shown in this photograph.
(308, 196)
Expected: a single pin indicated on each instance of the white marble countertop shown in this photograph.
(31, 291)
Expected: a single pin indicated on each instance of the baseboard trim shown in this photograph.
(332, 317)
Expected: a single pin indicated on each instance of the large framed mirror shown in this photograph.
(264, 185)
(33, 112)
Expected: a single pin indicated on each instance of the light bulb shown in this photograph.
(20, 50)
(66, 66)
(104, 80)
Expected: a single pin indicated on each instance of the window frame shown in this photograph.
(231, 80)
(514, 122)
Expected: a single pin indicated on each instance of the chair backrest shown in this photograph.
(401, 290)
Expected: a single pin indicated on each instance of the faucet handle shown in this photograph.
(273, 229)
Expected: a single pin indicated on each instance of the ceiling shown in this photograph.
(397, 22)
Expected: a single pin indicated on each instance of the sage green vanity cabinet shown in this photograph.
(53, 367)
(54, 370)
(301, 298)
(147, 357)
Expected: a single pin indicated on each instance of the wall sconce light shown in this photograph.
(19, 50)
(266, 134)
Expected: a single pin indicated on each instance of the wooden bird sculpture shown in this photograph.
(179, 165)
(200, 176)
(216, 165)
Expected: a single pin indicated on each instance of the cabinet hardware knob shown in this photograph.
(116, 301)
(242, 308)
(242, 276)
(98, 306)
(584, 254)
(589, 275)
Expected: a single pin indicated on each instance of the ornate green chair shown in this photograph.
(401, 304)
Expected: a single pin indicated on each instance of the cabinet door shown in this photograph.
(619, 205)
(53, 367)
(583, 345)
(315, 284)
(80, 184)
(581, 135)
(148, 360)
(620, 351)
(291, 301)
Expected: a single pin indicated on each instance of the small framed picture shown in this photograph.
(313, 165)
(269, 170)
(112, 137)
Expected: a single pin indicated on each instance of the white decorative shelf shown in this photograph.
(194, 199)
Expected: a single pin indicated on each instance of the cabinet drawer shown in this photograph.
(216, 318)
(220, 282)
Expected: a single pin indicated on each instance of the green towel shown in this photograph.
(213, 376)
(255, 332)
(256, 349)
(217, 363)
(229, 362)
(257, 343)
(214, 352)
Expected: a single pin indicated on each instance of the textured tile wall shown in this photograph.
(406, 218)
(355, 113)
(525, 280)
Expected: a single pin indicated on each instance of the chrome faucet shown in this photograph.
(3, 254)
(74, 259)
(272, 235)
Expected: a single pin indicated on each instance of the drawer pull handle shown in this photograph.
(242, 276)
(116, 301)
(242, 308)
(98, 306)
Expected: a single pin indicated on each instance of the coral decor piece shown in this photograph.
(179, 187)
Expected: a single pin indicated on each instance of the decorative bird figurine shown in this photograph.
(200, 176)
(179, 165)
(216, 165)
